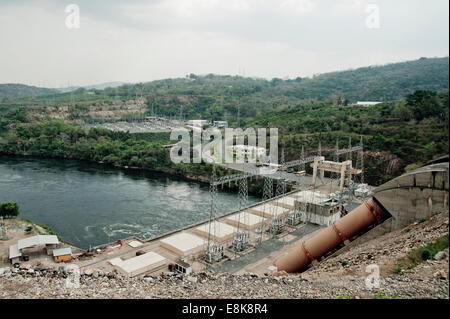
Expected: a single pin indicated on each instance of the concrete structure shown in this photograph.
(14, 254)
(62, 255)
(183, 244)
(317, 208)
(183, 267)
(218, 231)
(345, 169)
(269, 210)
(249, 221)
(148, 262)
(415, 195)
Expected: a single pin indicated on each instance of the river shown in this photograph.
(89, 204)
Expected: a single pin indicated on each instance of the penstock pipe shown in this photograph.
(358, 219)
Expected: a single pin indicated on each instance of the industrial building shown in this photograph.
(216, 231)
(317, 208)
(32, 246)
(183, 244)
(148, 262)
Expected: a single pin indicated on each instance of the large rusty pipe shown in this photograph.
(328, 238)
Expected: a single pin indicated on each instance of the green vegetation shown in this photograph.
(9, 209)
(398, 270)
(404, 132)
(344, 263)
(344, 297)
(56, 139)
(380, 294)
(427, 252)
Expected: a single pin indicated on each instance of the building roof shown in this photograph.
(135, 243)
(37, 241)
(62, 252)
(143, 261)
(183, 242)
(367, 103)
(14, 252)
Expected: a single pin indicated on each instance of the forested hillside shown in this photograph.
(410, 128)
(215, 97)
(12, 91)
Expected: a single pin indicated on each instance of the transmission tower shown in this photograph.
(319, 153)
(349, 154)
(214, 252)
(267, 194)
(241, 237)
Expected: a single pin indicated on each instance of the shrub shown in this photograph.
(9, 209)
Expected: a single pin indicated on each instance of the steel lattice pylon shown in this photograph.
(214, 251)
(319, 153)
(267, 194)
(241, 237)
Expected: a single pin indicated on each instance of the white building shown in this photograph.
(198, 123)
(366, 103)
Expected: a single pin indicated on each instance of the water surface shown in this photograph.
(91, 204)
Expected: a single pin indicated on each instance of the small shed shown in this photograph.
(62, 255)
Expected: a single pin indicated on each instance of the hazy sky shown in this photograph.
(134, 41)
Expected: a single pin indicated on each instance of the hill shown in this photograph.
(377, 83)
(13, 91)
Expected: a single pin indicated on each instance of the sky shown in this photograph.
(42, 44)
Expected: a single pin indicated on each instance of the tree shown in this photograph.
(9, 209)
